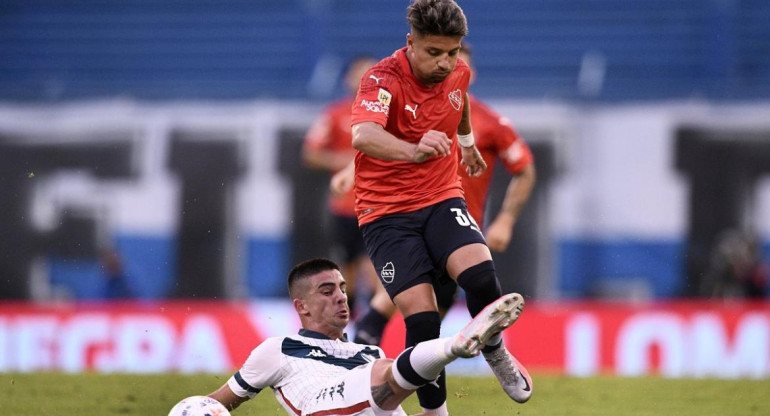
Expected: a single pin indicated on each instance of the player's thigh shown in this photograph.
(350, 394)
(398, 251)
(449, 228)
(416, 299)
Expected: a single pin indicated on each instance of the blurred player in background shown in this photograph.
(318, 372)
(116, 286)
(736, 268)
(495, 139)
(411, 119)
(328, 146)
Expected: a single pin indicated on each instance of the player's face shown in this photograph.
(327, 302)
(431, 57)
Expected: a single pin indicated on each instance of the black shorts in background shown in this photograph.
(412, 248)
(348, 241)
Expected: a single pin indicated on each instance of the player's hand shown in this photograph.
(499, 233)
(475, 163)
(433, 143)
(342, 181)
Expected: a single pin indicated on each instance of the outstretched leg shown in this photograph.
(393, 381)
(481, 286)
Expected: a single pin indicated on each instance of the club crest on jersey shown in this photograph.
(456, 99)
(388, 272)
(384, 97)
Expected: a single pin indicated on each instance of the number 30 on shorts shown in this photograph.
(465, 220)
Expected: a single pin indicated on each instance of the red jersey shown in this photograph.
(390, 95)
(332, 132)
(495, 139)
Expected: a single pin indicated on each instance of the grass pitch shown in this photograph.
(106, 395)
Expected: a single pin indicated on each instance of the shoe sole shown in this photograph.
(499, 315)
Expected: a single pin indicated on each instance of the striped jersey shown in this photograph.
(299, 367)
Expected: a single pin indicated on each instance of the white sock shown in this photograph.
(430, 357)
(441, 411)
(426, 359)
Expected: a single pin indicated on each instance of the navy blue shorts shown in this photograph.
(347, 239)
(413, 247)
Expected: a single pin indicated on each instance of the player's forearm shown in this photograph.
(371, 139)
(327, 160)
(465, 122)
(226, 396)
(517, 194)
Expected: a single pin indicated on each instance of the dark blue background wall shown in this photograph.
(240, 49)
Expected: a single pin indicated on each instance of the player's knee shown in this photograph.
(481, 281)
(422, 326)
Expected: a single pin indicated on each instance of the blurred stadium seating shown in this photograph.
(612, 214)
(164, 136)
(237, 49)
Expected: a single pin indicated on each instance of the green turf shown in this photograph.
(105, 395)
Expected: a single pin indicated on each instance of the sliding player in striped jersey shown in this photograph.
(318, 372)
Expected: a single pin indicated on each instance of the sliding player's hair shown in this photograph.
(306, 269)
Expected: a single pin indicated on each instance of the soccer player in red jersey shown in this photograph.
(410, 113)
(328, 146)
(495, 139)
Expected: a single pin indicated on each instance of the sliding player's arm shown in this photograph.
(262, 369)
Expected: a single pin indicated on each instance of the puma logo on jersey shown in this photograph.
(316, 353)
(413, 110)
(377, 80)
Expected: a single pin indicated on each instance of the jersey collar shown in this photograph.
(317, 335)
(404, 62)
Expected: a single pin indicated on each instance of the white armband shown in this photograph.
(466, 140)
